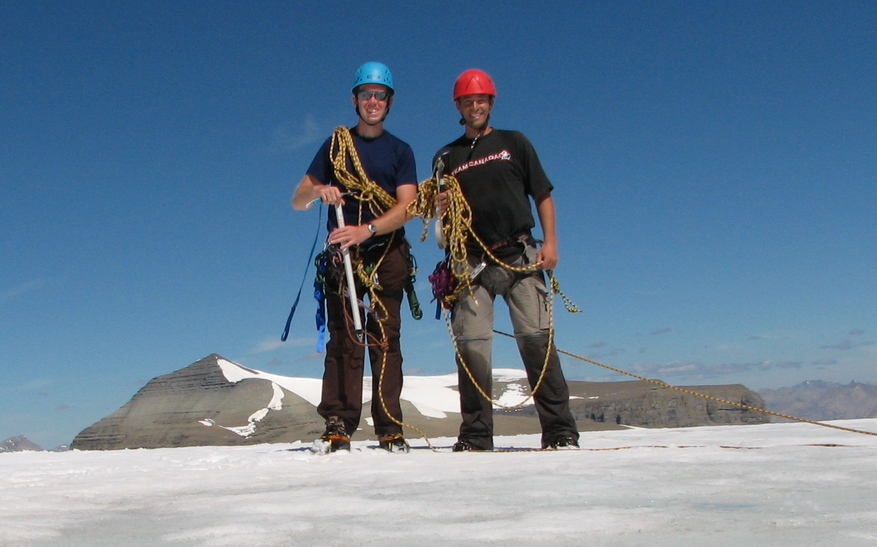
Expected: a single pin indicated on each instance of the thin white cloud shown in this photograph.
(30, 385)
(24, 288)
(310, 132)
(274, 343)
(693, 370)
(843, 345)
(312, 357)
(267, 345)
(847, 345)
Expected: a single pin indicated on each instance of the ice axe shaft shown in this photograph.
(351, 286)
(439, 173)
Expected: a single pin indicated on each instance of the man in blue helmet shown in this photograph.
(377, 164)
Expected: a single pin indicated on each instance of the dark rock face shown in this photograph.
(643, 404)
(199, 406)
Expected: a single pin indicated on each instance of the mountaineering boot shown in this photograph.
(395, 444)
(336, 435)
(466, 446)
(565, 442)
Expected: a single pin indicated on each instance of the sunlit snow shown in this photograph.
(772, 484)
(432, 396)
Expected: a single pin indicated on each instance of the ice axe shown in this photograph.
(351, 287)
(439, 174)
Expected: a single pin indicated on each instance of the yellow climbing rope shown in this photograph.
(457, 225)
(534, 389)
(343, 155)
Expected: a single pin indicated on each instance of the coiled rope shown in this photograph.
(343, 155)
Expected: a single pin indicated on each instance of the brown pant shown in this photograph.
(343, 374)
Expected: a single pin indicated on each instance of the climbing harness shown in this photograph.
(456, 225)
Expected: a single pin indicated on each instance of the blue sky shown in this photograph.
(714, 166)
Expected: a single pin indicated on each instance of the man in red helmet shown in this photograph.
(499, 173)
(377, 240)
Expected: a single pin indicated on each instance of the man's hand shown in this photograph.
(441, 203)
(328, 194)
(548, 256)
(349, 236)
(310, 190)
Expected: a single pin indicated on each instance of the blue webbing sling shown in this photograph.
(318, 294)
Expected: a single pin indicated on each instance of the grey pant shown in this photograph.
(527, 299)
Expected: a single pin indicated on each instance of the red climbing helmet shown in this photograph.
(473, 81)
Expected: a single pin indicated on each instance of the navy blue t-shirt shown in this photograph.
(386, 159)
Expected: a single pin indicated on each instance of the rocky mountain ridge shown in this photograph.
(216, 402)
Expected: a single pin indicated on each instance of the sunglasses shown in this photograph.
(367, 94)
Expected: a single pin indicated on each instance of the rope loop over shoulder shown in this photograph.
(343, 155)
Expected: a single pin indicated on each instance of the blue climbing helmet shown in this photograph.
(373, 72)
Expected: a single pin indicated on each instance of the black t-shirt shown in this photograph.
(498, 173)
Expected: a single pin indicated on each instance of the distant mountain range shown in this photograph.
(818, 400)
(18, 444)
(21, 443)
